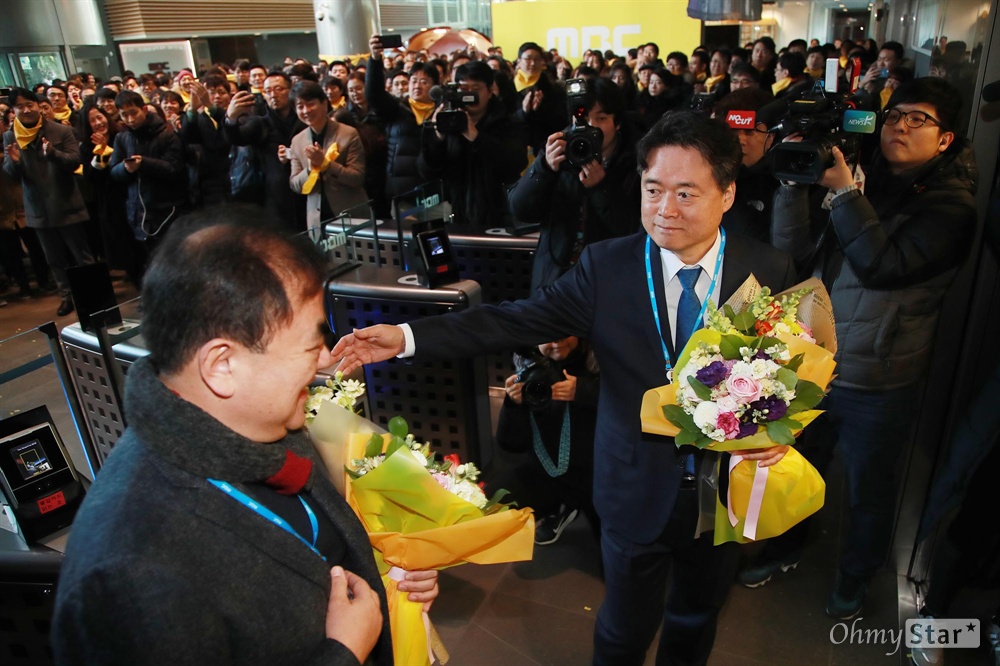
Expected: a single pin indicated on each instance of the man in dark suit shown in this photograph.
(211, 536)
(646, 490)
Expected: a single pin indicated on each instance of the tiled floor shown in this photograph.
(543, 611)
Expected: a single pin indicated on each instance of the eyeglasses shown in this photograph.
(913, 119)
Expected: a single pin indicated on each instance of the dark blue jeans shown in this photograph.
(873, 430)
(637, 601)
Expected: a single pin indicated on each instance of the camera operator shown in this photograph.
(750, 214)
(887, 258)
(580, 205)
(551, 409)
(475, 162)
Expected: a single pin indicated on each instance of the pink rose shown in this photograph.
(443, 480)
(743, 388)
(729, 424)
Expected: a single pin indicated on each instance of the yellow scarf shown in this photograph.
(843, 62)
(816, 73)
(62, 116)
(421, 110)
(701, 78)
(640, 85)
(522, 80)
(332, 153)
(711, 81)
(778, 86)
(186, 96)
(204, 110)
(884, 96)
(25, 135)
(103, 152)
(339, 105)
(256, 91)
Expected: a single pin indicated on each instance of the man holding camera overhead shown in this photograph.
(581, 191)
(474, 146)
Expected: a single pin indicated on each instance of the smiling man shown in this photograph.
(328, 160)
(211, 536)
(888, 259)
(647, 490)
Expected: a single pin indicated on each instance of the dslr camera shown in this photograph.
(583, 143)
(824, 120)
(538, 377)
(452, 118)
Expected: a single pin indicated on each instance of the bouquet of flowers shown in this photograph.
(749, 380)
(421, 511)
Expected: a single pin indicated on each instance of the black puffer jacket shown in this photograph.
(266, 133)
(401, 130)
(564, 208)
(160, 184)
(475, 173)
(888, 260)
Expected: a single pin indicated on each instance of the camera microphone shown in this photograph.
(437, 94)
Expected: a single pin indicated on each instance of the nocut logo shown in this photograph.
(741, 119)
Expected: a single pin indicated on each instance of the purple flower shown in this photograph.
(772, 407)
(712, 374)
(762, 355)
(747, 429)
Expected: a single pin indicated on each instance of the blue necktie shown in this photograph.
(688, 308)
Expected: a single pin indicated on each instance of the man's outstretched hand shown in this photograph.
(368, 345)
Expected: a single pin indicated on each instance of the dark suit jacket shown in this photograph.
(604, 299)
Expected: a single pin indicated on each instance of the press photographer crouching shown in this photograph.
(888, 256)
(551, 411)
(584, 189)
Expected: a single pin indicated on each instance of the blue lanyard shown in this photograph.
(668, 366)
(271, 516)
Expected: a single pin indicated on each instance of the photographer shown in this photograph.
(476, 159)
(551, 410)
(579, 205)
(887, 258)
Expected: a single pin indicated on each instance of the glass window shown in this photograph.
(42, 67)
(7, 77)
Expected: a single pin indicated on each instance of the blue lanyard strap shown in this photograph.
(271, 516)
(668, 365)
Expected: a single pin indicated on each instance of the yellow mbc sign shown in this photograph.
(573, 26)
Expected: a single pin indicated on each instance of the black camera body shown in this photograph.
(819, 117)
(452, 118)
(703, 102)
(538, 377)
(583, 143)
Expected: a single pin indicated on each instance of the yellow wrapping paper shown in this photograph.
(794, 491)
(415, 524)
(817, 367)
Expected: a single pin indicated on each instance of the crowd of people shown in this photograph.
(107, 167)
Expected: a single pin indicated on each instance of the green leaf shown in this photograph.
(769, 342)
(495, 500)
(395, 444)
(374, 446)
(780, 433)
(795, 407)
(704, 442)
(727, 310)
(744, 321)
(700, 389)
(788, 378)
(796, 362)
(809, 394)
(687, 437)
(398, 426)
(792, 424)
(676, 415)
(729, 347)
(352, 473)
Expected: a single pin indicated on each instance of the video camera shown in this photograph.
(703, 102)
(452, 119)
(583, 143)
(824, 120)
(538, 377)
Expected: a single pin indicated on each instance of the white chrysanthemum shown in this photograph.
(418, 456)
(706, 414)
(471, 493)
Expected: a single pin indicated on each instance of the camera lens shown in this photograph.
(537, 394)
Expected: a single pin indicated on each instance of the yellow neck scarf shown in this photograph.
(204, 110)
(816, 73)
(186, 96)
(339, 105)
(62, 116)
(640, 85)
(843, 62)
(884, 96)
(25, 135)
(256, 91)
(778, 86)
(103, 152)
(711, 81)
(421, 110)
(332, 153)
(522, 80)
